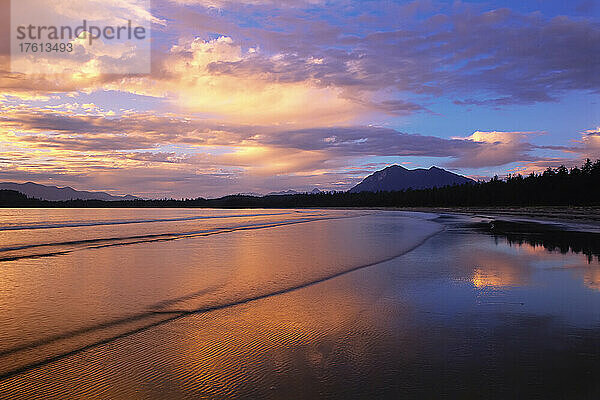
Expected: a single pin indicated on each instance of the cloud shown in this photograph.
(590, 140)
(82, 59)
(195, 156)
(588, 146)
(498, 57)
(238, 3)
(190, 78)
(294, 70)
(44, 126)
(369, 141)
(272, 95)
(59, 143)
(495, 58)
(495, 149)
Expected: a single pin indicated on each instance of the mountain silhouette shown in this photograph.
(396, 178)
(53, 193)
(292, 192)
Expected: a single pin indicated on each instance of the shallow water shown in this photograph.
(289, 304)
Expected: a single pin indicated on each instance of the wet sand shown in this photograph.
(480, 309)
(569, 218)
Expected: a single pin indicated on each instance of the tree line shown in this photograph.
(579, 186)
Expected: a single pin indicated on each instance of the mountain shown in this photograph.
(54, 193)
(396, 178)
(251, 194)
(283, 193)
(292, 192)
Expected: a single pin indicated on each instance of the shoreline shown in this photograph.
(586, 217)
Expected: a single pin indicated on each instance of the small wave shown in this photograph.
(76, 224)
(62, 248)
(51, 349)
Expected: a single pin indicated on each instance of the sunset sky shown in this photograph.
(270, 95)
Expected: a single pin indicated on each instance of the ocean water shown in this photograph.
(290, 304)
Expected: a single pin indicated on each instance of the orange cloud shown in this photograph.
(497, 148)
(189, 81)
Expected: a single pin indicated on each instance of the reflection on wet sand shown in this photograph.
(549, 237)
(591, 278)
(112, 292)
(494, 278)
(540, 241)
(497, 269)
(464, 315)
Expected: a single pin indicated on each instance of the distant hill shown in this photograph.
(292, 192)
(54, 193)
(575, 187)
(251, 194)
(397, 178)
(283, 193)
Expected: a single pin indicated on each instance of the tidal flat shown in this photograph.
(285, 304)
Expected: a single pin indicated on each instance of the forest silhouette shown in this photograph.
(578, 186)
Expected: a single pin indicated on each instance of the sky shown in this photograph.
(255, 96)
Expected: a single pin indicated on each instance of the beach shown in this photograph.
(129, 304)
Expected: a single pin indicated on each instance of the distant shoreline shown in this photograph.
(581, 218)
(560, 187)
(578, 213)
(585, 217)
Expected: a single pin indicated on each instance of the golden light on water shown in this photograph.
(591, 278)
(482, 279)
(496, 270)
(494, 278)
